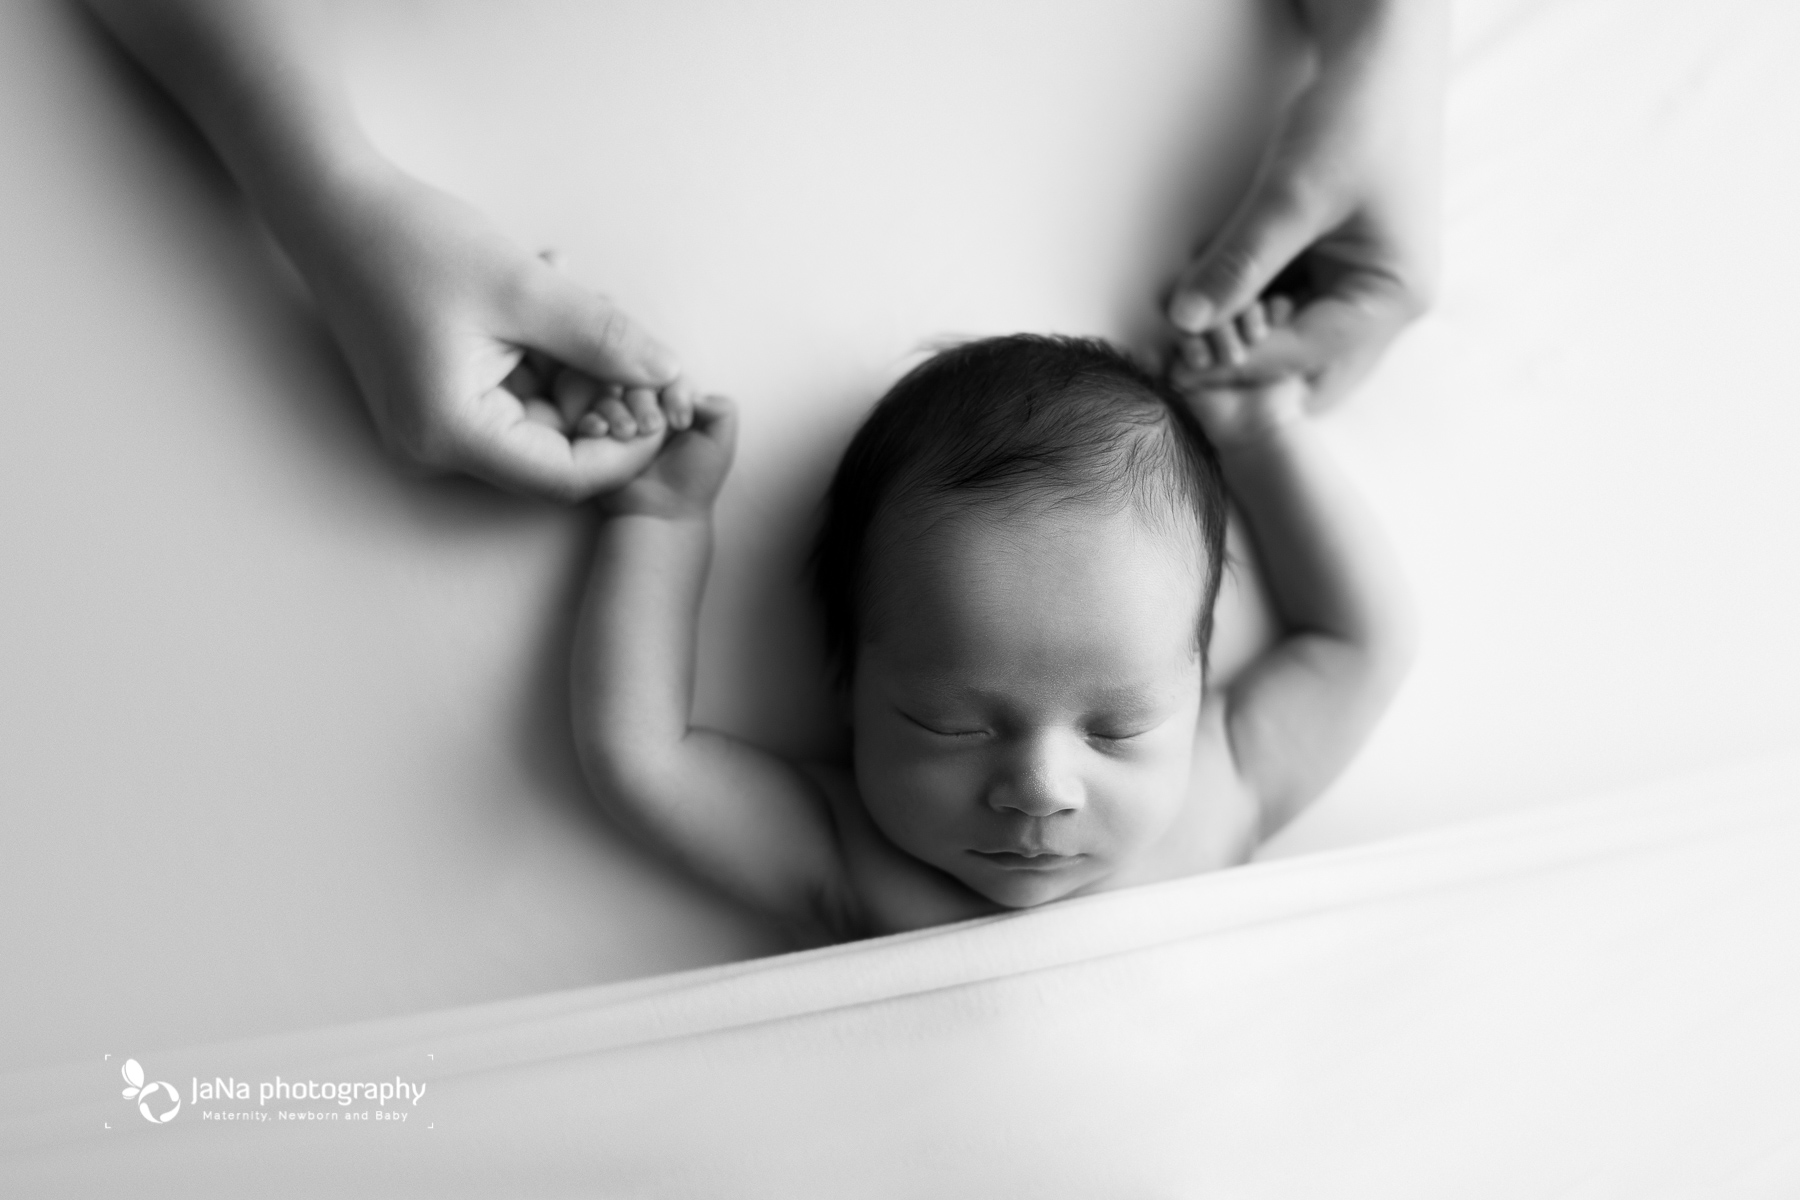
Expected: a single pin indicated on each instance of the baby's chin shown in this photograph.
(1024, 889)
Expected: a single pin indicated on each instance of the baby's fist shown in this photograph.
(686, 474)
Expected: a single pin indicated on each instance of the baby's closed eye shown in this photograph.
(1108, 734)
(943, 726)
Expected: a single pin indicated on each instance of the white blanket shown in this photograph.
(1596, 1001)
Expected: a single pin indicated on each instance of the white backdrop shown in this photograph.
(284, 736)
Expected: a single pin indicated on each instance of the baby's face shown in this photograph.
(1026, 698)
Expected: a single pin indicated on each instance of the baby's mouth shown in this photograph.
(1013, 860)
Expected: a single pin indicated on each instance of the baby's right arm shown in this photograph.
(738, 817)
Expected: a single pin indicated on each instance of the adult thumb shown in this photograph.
(1269, 230)
(585, 330)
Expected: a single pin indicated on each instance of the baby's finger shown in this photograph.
(1184, 375)
(1253, 323)
(1227, 348)
(1281, 309)
(642, 402)
(1195, 353)
(575, 394)
(619, 422)
(591, 425)
(678, 404)
(716, 418)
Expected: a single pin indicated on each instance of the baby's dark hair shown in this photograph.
(1011, 420)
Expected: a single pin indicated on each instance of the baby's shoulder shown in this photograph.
(882, 889)
(1219, 822)
(1223, 811)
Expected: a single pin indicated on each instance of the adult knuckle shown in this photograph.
(1232, 269)
(609, 324)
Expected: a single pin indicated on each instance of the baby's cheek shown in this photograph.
(917, 801)
(1151, 796)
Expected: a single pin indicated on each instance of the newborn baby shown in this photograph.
(1018, 566)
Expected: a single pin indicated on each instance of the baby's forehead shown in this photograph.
(981, 569)
(926, 531)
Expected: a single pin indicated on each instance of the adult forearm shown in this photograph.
(255, 78)
(1347, 32)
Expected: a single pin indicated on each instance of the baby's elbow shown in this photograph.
(1392, 640)
(617, 772)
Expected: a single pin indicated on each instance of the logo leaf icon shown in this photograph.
(129, 1093)
(134, 1074)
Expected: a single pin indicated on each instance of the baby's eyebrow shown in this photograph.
(1124, 700)
(1127, 700)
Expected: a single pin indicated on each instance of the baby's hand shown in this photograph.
(1227, 346)
(1241, 409)
(685, 477)
(577, 405)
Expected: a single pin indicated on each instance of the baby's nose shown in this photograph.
(1039, 778)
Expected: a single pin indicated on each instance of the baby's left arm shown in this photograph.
(1297, 715)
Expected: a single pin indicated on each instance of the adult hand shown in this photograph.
(472, 354)
(1341, 221)
(437, 313)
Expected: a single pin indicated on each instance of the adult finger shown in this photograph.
(500, 445)
(1270, 229)
(1344, 332)
(544, 413)
(585, 330)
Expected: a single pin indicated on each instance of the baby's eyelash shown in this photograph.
(1108, 736)
(936, 730)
